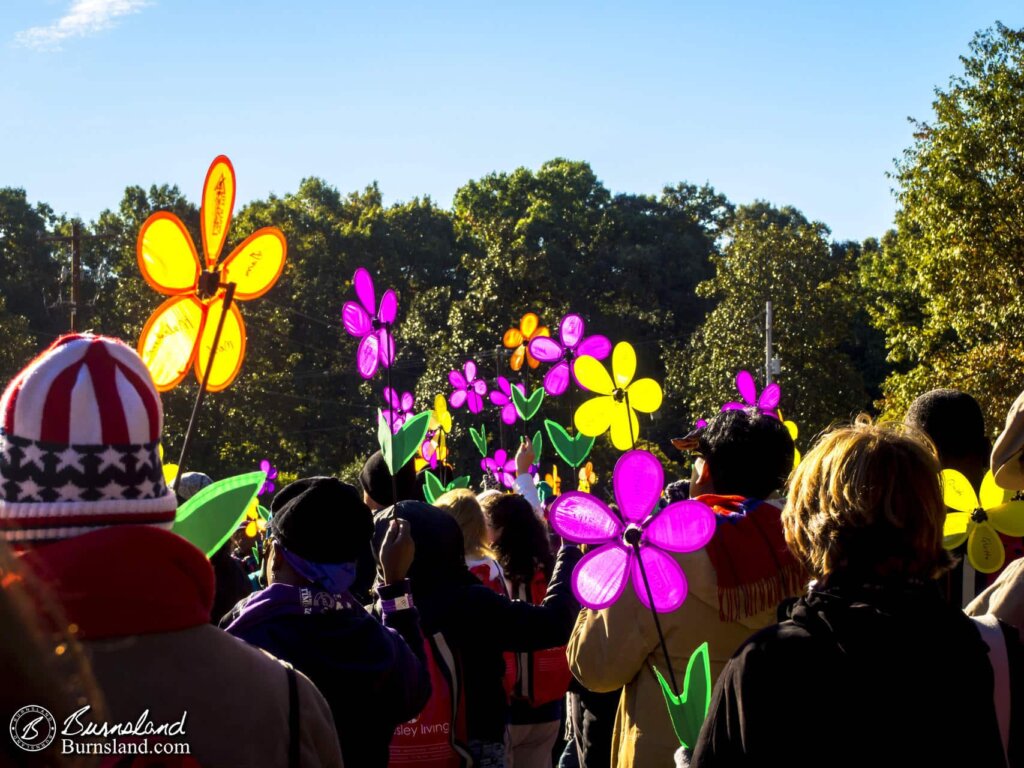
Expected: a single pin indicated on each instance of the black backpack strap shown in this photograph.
(294, 735)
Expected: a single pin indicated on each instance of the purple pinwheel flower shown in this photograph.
(271, 472)
(400, 410)
(468, 388)
(700, 424)
(767, 402)
(502, 466)
(600, 577)
(571, 345)
(502, 396)
(377, 346)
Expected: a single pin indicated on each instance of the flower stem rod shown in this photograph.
(229, 296)
(391, 421)
(654, 613)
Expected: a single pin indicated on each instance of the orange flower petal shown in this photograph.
(230, 349)
(217, 206)
(167, 344)
(255, 265)
(166, 254)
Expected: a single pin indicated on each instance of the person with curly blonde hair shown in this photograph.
(872, 666)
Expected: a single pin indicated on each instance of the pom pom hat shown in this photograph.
(79, 444)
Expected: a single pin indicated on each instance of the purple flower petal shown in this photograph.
(570, 330)
(364, 290)
(684, 526)
(509, 414)
(545, 349)
(476, 403)
(556, 381)
(734, 406)
(386, 349)
(367, 356)
(391, 397)
(583, 518)
(479, 386)
(500, 456)
(769, 399)
(666, 577)
(638, 480)
(599, 578)
(457, 380)
(355, 319)
(504, 387)
(598, 347)
(407, 401)
(388, 307)
(746, 386)
(457, 398)
(470, 369)
(498, 398)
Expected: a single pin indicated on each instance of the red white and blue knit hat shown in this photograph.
(79, 442)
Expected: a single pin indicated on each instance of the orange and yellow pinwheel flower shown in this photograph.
(618, 397)
(977, 520)
(179, 334)
(587, 477)
(518, 339)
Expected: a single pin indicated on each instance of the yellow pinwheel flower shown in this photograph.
(977, 520)
(793, 433)
(618, 397)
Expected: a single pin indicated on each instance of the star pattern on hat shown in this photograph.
(44, 472)
(111, 457)
(69, 457)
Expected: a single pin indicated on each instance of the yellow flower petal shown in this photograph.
(955, 529)
(957, 492)
(625, 427)
(250, 530)
(644, 395)
(528, 324)
(623, 364)
(595, 416)
(991, 494)
(984, 549)
(593, 375)
(1008, 518)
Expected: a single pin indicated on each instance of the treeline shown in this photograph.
(683, 275)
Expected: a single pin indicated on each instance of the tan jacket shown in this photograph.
(1004, 598)
(616, 647)
(236, 697)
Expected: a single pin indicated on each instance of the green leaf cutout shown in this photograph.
(573, 450)
(398, 448)
(527, 407)
(263, 512)
(479, 439)
(689, 710)
(433, 490)
(432, 487)
(210, 517)
(538, 445)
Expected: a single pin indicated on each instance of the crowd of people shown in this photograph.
(380, 630)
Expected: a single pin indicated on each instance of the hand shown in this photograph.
(525, 457)
(396, 551)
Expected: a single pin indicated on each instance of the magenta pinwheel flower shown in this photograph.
(400, 408)
(377, 345)
(639, 536)
(271, 472)
(469, 390)
(502, 397)
(570, 345)
(502, 466)
(767, 402)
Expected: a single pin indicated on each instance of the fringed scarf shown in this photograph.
(753, 567)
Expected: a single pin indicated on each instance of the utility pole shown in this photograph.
(76, 264)
(768, 358)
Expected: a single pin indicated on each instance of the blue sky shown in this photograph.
(801, 103)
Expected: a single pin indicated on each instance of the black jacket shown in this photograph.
(372, 678)
(477, 623)
(881, 675)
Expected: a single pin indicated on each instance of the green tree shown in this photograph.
(777, 254)
(948, 285)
